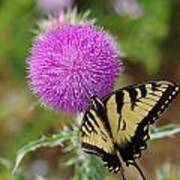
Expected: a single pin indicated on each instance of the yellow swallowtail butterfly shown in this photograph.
(116, 128)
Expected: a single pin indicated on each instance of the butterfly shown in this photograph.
(116, 127)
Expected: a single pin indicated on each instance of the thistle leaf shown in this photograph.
(164, 131)
(51, 141)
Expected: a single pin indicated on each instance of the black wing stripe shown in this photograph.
(89, 126)
(93, 118)
(143, 90)
(100, 111)
(119, 101)
(93, 149)
(133, 95)
(154, 86)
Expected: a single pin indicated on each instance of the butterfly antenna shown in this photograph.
(139, 170)
(122, 174)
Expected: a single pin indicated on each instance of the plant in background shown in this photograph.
(54, 6)
(128, 8)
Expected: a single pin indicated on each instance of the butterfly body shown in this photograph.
(116, 128)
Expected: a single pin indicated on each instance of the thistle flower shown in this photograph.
(71, 63)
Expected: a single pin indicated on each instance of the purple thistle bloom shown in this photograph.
(70, 64)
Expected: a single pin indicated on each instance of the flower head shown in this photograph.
(70, 64)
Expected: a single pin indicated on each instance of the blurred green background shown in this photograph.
(148, 33)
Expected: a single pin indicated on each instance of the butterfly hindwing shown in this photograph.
(132, 109)
(96, 137)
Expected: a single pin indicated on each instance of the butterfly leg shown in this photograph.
(138, 169)
(122, 174)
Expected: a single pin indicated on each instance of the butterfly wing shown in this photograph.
(132, 109)
(96, 136)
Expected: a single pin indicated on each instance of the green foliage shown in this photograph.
(16, 17)
(144, 36)
(89, 168)
(6, 171)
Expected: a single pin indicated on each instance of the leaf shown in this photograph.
(165, 131)
(51, 141)
(89, 167)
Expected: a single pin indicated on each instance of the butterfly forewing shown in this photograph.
(131, 110)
